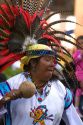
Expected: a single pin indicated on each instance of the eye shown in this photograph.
(49, 58)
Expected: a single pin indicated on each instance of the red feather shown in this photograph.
(4, 52)
(8, 60)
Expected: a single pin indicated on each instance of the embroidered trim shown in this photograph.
(40, 114)
(68, 98)
(45, 90)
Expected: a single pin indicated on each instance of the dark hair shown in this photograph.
(44, 41)
(2, 77)
(79, 42)
(54, 77)
(79, 37)
(28, 66)
(70, 66)
(71, 80)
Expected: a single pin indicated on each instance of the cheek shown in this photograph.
(43, 73)
(43, 65)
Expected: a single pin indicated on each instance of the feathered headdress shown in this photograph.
(22, 24)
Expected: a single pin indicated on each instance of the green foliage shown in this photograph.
(9, 72)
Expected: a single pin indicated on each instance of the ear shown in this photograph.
(33, 63)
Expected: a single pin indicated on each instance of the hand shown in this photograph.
(12, 95)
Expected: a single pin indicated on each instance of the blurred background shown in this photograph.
(64, 9)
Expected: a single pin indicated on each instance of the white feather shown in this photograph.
(28, 41)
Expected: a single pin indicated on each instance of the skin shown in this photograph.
(80, 43)
(43, 70)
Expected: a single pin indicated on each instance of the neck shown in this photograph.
(38, 82)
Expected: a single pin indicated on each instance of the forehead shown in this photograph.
(48, 56)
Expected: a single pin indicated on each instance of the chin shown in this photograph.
(48, 77)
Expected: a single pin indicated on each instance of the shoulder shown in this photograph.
(15, 81)
(59, 87)
(68, 98)
(64, 93)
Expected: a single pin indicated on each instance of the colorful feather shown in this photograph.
(22, 23)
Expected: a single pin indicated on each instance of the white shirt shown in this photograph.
(48, 112)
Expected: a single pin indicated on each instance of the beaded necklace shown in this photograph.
(45, 89)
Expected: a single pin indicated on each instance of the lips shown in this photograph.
(51, 69)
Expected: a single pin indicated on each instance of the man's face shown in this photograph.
(45, 67)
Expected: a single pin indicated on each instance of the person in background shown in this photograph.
(78, 55)
(79, 95)
(78, 59)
